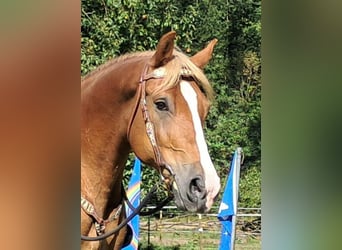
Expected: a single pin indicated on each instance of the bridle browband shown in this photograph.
(165, 170)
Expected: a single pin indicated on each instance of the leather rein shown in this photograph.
(89, 208)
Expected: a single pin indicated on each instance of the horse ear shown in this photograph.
(164, 50)
(202, 57)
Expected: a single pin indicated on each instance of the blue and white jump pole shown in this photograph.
(228, 208)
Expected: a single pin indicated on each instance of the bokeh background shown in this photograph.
(300, 130)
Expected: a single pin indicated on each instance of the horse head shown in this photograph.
(175, 98)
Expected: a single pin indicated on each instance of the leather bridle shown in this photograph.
(158, 73)
(165, 170)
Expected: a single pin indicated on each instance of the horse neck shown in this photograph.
(107, 104)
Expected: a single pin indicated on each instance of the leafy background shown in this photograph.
(114, 27)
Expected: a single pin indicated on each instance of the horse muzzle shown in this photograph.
(189, 188)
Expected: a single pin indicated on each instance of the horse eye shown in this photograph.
(161, 105)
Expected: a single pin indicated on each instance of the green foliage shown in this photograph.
(235, 118)
(113, 27)
(250, 183)
(116, 27)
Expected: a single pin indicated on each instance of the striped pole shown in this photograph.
(133, 195)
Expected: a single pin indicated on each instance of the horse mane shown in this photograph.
(115, 60)
(173, 71)
(177, 66)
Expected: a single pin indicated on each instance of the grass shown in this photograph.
(195, 240)
(247, 244)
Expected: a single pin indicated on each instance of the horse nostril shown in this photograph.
(197, 189)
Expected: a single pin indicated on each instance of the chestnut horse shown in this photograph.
(152, 103)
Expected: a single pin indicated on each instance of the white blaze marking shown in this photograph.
(212, 181)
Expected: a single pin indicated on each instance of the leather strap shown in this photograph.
(100, 223)
(148, 124)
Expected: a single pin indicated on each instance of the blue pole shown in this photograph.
(228, 208)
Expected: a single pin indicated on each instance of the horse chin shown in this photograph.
(179, 202)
